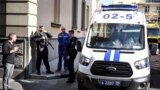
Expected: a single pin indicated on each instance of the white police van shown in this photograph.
(115, 55)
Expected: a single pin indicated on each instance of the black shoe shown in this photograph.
(70, 81)
(71, 78)
(74, 78)
(50, 72)
(38, 73)
(58, 70)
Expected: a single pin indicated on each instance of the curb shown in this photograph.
(49, 76)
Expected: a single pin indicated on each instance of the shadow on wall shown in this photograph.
(21, 65)
(2, 18)
(53, 53)
(29, 60)
(26, 58)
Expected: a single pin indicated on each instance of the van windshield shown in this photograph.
(116, 36)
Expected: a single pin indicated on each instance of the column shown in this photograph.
(20, 17)
(2, 17)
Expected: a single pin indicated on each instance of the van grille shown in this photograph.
(101, 68)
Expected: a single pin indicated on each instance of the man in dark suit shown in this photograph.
(41, 38)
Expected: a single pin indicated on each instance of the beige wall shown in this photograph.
(79, 19)
(46, 15)
(66, 13)
(89, 3)
(21, 17)
(153, 8)
(93, 6)
(152, 14)
(142, 3)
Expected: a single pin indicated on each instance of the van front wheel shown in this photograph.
(80, 86)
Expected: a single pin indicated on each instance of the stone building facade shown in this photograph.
(23, 16)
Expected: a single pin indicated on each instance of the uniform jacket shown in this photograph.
(71, 46)
(63, 39)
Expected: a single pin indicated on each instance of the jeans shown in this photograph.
(62, 55)
(8, 72)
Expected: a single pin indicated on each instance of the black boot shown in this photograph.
(38, 73)
(49, 72)
(70, 80)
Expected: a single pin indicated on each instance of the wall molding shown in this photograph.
(18, 14)
(17, 26)
(18, 2)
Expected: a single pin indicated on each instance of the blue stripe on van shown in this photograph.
(107, 55)
(116, 56)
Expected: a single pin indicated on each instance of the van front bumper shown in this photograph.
(89, 83)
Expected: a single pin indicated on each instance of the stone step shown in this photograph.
(53, 66)
(44, 76)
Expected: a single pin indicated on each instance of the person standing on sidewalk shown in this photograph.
(41, 38)
(73, 46)
(8, 50)
(63, 38)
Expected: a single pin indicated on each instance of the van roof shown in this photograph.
(128, 7)
(119, 16)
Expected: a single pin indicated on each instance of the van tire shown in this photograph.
(80, 86)
(154, 49)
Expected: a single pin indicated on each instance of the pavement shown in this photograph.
(59, 83)
(53, 66)
(155, 72)
(53, 84)
(45, 76)
(56, 81)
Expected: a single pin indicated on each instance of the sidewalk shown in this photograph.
(14, 84)
(53, 66)
(34, 84)
(44, 80)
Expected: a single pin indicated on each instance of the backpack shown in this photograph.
(79, 46)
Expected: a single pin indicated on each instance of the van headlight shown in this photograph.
(85, 61)
(142, 63)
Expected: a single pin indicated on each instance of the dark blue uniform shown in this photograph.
(62, 39)
(71, 54)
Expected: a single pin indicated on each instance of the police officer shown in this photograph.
(63, 38)
(71, 55)
(41, 38)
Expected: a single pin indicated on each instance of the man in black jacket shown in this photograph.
(41, 38)
(8, 50)
(72, 48)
